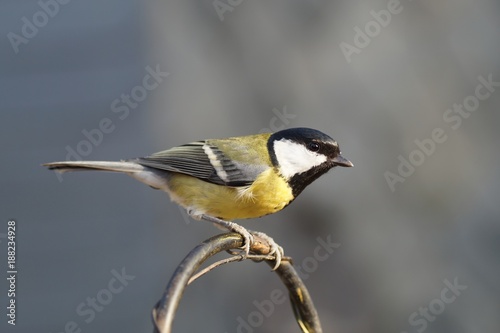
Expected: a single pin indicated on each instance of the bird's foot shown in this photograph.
(275, 251)
(234, 227)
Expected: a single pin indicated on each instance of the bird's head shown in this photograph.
(301, 155)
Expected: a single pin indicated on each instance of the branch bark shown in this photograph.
(302, 304)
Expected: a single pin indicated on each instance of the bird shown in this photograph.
(222, 180)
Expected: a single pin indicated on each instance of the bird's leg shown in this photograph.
(248, 238)
(234, 227)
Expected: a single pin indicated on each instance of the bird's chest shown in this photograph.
(268, 194)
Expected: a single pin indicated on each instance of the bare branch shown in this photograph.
(165, 309)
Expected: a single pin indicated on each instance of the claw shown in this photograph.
(276, 250)
(248, 238)
(247, 241)
(231, 226)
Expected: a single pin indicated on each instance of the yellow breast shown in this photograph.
(268, 194)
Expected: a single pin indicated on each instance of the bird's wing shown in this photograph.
(202, 160)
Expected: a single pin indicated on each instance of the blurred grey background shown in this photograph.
(374, 82)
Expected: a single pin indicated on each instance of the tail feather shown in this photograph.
(155, 178)
(128, 167)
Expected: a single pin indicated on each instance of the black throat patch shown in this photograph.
(300, 181)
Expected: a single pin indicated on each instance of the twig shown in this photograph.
(165, 309)
(234, 258)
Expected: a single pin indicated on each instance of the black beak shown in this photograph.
(342, 161)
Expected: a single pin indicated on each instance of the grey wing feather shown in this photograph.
(191, 159)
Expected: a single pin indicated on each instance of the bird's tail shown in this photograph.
(155, 178)
(127, 167)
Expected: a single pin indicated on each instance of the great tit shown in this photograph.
(221, 180)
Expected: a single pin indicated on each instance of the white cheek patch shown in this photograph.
(294, 158)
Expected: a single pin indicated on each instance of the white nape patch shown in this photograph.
(219, 169)
(294, 158)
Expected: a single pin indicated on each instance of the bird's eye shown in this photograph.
(313, 146)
